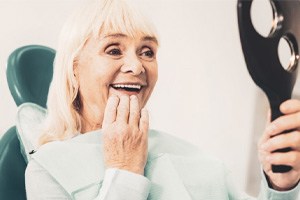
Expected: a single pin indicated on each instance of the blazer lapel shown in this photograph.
(166, 182)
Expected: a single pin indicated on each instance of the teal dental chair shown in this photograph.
(29, 73)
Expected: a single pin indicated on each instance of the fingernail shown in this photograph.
(124, 96)
(112, 96)
(133, 97)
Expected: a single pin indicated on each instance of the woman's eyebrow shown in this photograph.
(149, 38)
(121, 35)
(115, 35)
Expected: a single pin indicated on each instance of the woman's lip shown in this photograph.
(125, 92)
(129, 83)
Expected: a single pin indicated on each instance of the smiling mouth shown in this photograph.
(127, 87)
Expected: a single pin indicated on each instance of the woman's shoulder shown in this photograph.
(64, 159)
(39, 183)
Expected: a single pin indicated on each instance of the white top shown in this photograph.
(115, 186)
(175, 170)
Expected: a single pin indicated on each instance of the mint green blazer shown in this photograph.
(176, 170)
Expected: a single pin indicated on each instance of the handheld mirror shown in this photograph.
(262, 58)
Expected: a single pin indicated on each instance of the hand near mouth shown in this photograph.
(125, 129)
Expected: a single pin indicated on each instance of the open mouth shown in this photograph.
(127, 87)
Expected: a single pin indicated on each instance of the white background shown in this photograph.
(204, 93)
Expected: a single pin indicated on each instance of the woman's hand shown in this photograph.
(271, 141)
(125, 129)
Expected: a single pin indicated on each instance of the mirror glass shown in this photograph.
(262, 17)
(287, 54)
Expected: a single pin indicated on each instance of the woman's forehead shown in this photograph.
(120, 35)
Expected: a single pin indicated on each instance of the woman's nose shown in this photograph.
(132, 64)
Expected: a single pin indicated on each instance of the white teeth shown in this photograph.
(127, 86)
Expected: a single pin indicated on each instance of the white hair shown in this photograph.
(98, 17)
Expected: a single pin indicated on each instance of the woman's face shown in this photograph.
(115, 64)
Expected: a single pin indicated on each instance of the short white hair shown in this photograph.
(96, 18)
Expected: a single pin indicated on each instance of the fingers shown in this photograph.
(265, 137)
(268, 157)
(272, 140)
(290, 106)
(290, 120)
(283, 141)
(110, 110)
(289, 158)
(283, 123)
(135, 115)
(144, 121)
(123, 109)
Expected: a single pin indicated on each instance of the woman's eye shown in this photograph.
(114, 52)
(148, 53)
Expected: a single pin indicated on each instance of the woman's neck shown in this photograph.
(90, 121)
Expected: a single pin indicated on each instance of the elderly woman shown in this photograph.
(96, 142)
